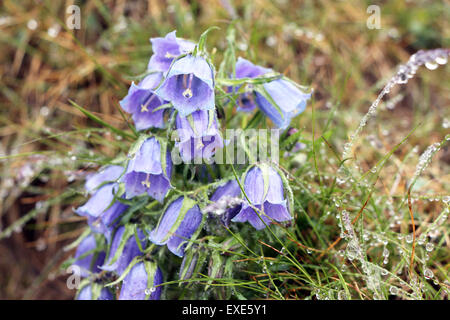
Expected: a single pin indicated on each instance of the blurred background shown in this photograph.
(47, 146)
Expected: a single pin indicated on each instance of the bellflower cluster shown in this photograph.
(148, 214)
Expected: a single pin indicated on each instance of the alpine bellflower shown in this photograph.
(290, 100)
(199, 135)
(166, 49)
(148, 172)
(141, 281)
(87, 257)
(92, 292)
(141, 102)
(179, 222)
(189, 85)
(227, 201)
(124, 248)
(101, 209)
(264, 188)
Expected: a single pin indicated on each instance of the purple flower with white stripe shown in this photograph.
(264, 188)
(121, 255)
(87, 257)
(102, 210)
(179, 222)
(166, 49)
(189, 85)
(141, 102)
(141, 281)
(147, 172)
(199, 135)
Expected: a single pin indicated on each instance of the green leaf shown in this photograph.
(102, 122)
(137, 144)
(200, 48)
(150, 268)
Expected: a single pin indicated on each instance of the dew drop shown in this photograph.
(428, 274)
(393, 290)
(429, 247)
(409, 238)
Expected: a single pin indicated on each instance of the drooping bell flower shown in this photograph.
(264, 188)
(246, 69)
(141, 282)
(94, 292)
(141, 102)
(189, 85)
(199, 135)
(290, 100)
(179, 222)
(148, 172)
(110, 173)
(287, 96)
(124, 248)
(166, 49)
(102, 210)
(227, 202)
(87, 257)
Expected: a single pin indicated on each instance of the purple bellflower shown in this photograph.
(189, 85)
(179, 222)
(109, 173)
(101, 209)
(87, 257)
(141, 281)
(148, 172)
(227, 201)
(141, 102)
(288, 97)
(290, 100)
(166, 49)
(124, 248)
(199, 135)
(264, 188)
(87, 293)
